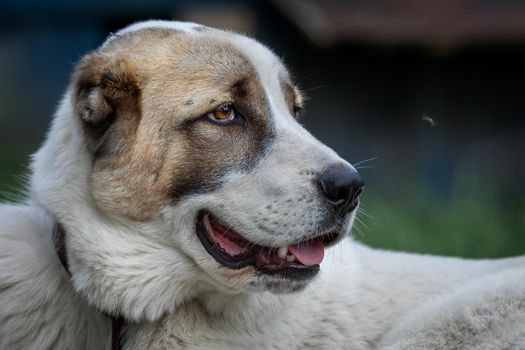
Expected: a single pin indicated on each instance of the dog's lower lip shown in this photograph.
(232, 250)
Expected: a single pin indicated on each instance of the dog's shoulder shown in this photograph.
(38, 307)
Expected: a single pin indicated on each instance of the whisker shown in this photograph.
(229, 228)
(366, 160)
(362, 211)
(316, 88)
(249, 248)
(361, 222)
(358, 231)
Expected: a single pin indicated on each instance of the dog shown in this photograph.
(177, 196)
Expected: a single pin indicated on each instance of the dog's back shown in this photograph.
(38, 307)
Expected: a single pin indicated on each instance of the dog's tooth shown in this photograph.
(282, 252)
(290, 258)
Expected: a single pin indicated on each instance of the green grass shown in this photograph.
(474, 226)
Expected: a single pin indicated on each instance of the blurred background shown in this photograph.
(427, 97)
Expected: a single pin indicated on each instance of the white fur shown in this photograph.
(187, 27)
(361, 294)
(487, 313)
(174, 295)
(38, 307)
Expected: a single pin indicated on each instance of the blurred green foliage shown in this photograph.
(475, 225)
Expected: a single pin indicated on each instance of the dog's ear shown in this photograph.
(105, 89)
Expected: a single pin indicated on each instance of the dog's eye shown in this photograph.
(224, 114)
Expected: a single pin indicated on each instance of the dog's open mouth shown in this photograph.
(232, 250)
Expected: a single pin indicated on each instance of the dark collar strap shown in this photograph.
(59, 237)
(116, 330)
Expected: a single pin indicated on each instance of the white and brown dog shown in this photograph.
(183, 196)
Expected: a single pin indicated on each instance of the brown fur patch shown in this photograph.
(156, 146)
(240, 276)
(105, 89)
(292, 97)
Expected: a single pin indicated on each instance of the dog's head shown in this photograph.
(189, 139)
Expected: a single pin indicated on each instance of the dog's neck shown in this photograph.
(233, 308)
(133, 297)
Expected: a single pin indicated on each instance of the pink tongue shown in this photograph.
(308, 253)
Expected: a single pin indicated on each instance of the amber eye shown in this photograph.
(223, 114)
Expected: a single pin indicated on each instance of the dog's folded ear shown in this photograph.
(105, 89)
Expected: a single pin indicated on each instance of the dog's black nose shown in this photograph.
(341, 185)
